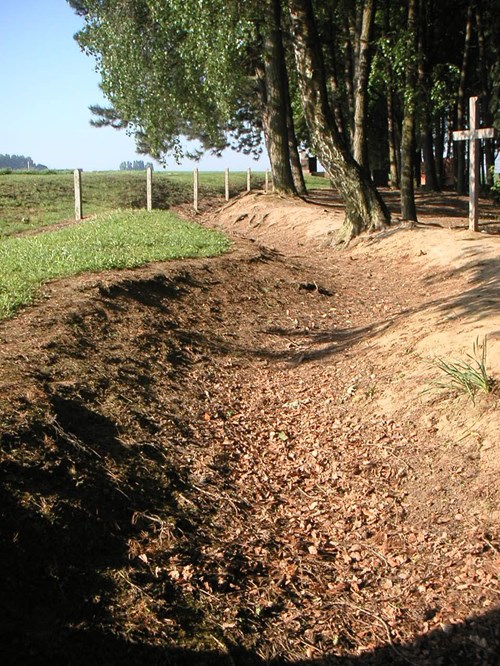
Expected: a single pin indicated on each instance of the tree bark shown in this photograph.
(349, 69)
(331, 69)
(439, 150)
(426, 135)
(297, 172)
(489, 146)
(276, 91)
(459, 147)
(408, 208)
(392, 124)
(431, 178)
(365, 209)
(360, 150)
(391, 135)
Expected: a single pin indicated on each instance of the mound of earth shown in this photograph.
(244, 460)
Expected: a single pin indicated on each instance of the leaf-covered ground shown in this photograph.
(222, 462)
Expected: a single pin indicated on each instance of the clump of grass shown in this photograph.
(122, 239)
(469, 376)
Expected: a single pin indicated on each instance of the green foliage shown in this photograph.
(469, 377)
(136, 165)
(19, 162)
(169, 69)
(495, 188)
(445, 80)
(121, 239)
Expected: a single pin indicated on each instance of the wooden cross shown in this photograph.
(473, 135)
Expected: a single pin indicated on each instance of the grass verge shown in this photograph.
(121, 239)
(30, 200)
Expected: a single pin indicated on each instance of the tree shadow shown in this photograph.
(70, 508)
(318, 345)
(152, 292)
(482, 298)
(475, 642)
(73, 498)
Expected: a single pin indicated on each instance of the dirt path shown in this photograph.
(233, 461)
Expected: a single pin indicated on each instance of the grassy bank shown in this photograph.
(30, 200)
(121, 239)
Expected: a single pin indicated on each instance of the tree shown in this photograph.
(194, 76)
(408, 208)
(365, 209)
(274, 96)
(360, 151)
(20, 162)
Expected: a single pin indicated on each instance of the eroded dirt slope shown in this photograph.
(232, 461)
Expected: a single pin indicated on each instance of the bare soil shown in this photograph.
(245, 460)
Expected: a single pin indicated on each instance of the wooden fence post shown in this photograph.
(149, 188)
(195, 190)
(249, 179)
(226, 184)
(77, 178)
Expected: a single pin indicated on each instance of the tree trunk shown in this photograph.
(297, 172)
(360, 149)
(276, 101)
(426, 137)
(392, 122)
(349, 79)
(391, 134)
(431, 178)
(332, 78)
(459, 147)
(489, 146)
(408, 208)
(439, 143)
(365, 209)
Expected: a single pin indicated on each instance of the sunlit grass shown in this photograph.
(469, 376)
(121, 239)
(30, 200)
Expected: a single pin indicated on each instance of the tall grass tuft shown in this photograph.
(470, 376)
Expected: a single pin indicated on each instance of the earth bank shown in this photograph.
(234, 460)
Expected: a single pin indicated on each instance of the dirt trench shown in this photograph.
(199, 465)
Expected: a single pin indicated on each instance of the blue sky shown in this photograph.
(47, 85)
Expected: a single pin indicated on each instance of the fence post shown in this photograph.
(195, 189)
(226, 184)
(249, 179)
(77, 178)
(149, 188)
(267, 181)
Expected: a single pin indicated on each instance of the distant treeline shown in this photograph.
(19, 162)
(136, 165)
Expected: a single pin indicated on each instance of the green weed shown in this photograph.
(470, 376)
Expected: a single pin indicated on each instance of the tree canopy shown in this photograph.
(370, 86)
(19, 162)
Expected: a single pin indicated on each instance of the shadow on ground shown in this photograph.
(82, 498)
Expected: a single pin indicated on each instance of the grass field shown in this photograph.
(33, 200)
(120, 239)
(29, 200)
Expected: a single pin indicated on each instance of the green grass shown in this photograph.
(121, 239)
(470, 376)
(30, 200)
(317, 182)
